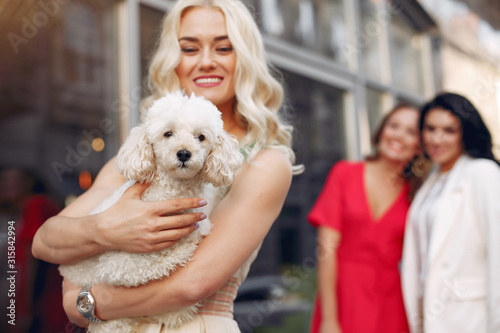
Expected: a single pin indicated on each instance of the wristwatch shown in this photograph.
(85, 304)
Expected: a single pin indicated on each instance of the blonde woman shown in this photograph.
(213, 49)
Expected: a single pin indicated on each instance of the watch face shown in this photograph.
(84, 304)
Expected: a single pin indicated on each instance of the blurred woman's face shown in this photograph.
(399, 139)
(208, 61)
(442, 137)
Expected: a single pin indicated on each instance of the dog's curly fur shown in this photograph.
(183, 151)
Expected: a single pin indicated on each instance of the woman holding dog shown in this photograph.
(213, 49)
(360, 215)
(451, 257)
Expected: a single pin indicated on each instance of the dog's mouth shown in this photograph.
(183, 165)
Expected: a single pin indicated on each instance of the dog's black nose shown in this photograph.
(183, 155)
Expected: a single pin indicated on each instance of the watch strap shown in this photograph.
(90, 316)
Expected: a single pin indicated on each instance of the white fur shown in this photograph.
(148, 155)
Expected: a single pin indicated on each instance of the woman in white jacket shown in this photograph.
(451, 255)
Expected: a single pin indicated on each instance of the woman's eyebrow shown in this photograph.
(189, 39)
(195, 39)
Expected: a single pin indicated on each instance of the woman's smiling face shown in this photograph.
(442, 137)
(208, 61)
(399, 139)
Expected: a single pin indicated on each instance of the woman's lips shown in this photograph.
(436, 151)
(208, 81)
(394, 145)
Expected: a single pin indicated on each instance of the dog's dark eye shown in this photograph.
(201, 137)
(167, 134)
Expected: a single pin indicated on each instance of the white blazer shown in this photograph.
(462, 287)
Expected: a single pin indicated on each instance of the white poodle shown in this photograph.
(183, 151)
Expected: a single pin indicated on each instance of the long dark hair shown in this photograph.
(476, 137)
(416, 168)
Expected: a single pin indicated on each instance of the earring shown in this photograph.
(420, 165)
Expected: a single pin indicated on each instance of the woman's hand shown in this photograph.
(134, 225)
(130, 224)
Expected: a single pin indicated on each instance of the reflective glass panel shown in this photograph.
(316, 111)
(150, 29)
(58, 105)
(373, 21)
(319, 26)
(406, 57)
(319, 119)
(374, 108)
(59, 124)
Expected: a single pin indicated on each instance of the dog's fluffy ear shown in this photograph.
(136, 158)
(223, 161)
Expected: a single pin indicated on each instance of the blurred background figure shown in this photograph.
(361, 216)
(451, 261)
(26, 203)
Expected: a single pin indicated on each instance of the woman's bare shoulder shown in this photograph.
(271, 160)
(268, 174)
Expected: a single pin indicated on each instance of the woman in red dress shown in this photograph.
(360, 215)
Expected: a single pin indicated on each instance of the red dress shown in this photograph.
(368, 282)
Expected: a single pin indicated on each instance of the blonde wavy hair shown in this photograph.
(259, 95)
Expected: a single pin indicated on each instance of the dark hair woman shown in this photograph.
(451, 257)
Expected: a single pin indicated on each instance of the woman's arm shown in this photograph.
(131, 224)
(328, 240)
(241, 221)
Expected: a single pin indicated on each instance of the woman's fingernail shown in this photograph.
(196, 226)
(202, 202)
(203, 216)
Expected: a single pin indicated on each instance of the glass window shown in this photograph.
(316, 25)
(271, 18)
(150, 29)
(59, 115)
(373, 23)
(317, 112)
(332, 29)
(374, 108)
(319, 119)
(406, 55)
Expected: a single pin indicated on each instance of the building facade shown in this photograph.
(73, 75)
(470, 42)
